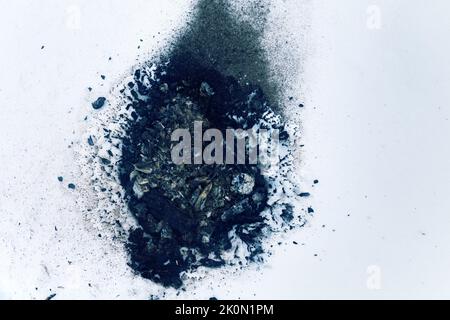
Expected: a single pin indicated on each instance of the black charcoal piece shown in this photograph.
(99, 103)
(304, 194)
(90, 141)
(51, 296)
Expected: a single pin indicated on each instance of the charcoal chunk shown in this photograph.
(99, 103)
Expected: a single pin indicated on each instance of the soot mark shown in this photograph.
(230, 43)
(216, 71)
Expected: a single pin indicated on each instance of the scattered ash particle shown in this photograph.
(71, 186)
(90, 141)
(304, 194)
(99, 103)
(60, 179)
(50, 297)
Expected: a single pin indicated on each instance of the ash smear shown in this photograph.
(176, 219)
(230, 43)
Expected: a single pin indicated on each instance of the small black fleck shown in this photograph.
(50, 297)
(103, 77)
(60, 179)
(305, 194)
(71, 186)
(105, 162)
(99, 103)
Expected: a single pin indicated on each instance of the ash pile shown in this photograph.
(190, 215)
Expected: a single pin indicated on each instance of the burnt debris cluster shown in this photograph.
(186, 212)
(197, 215)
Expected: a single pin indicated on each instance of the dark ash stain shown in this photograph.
(186, 213)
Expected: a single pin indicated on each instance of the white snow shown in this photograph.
(375, 83)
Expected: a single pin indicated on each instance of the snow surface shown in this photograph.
(374, 81)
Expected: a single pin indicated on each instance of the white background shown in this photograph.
(375, 81)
